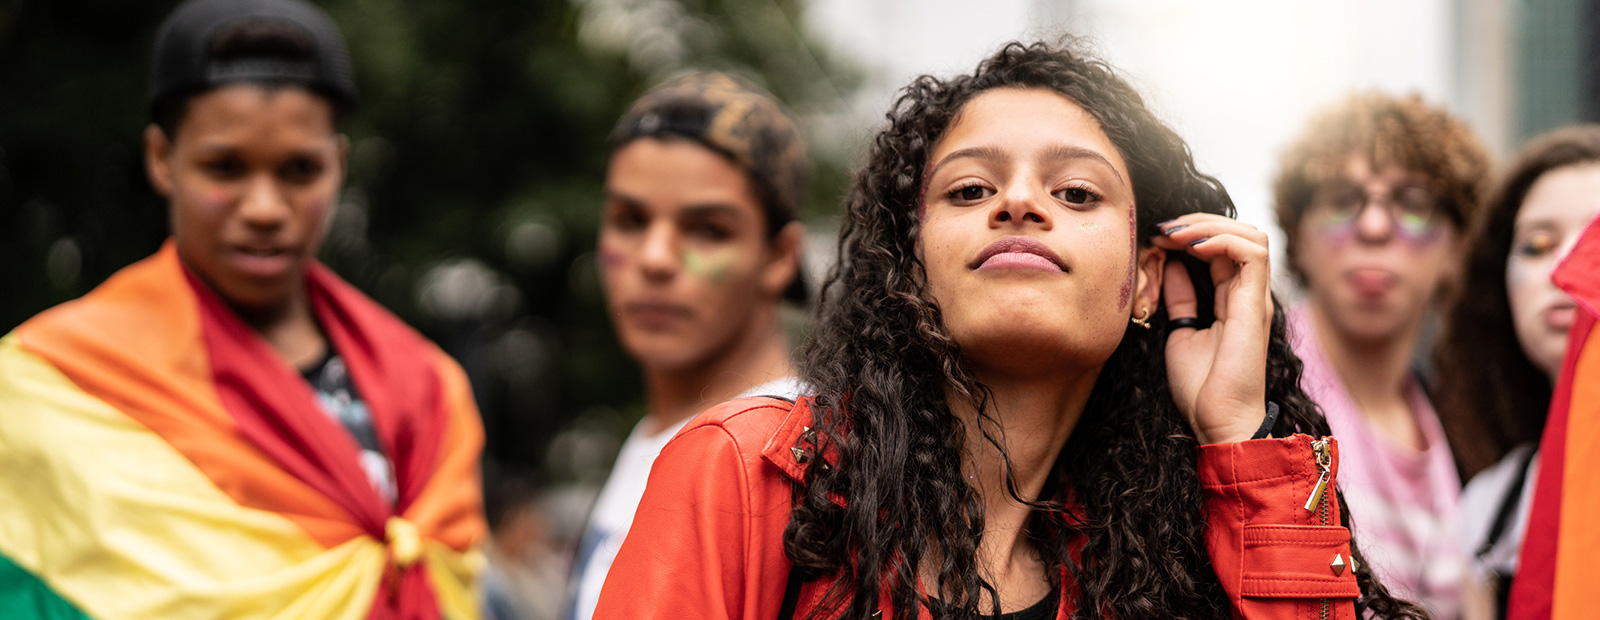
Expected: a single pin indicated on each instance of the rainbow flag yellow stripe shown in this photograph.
(129, 490)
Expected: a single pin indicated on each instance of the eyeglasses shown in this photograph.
(1413, 210)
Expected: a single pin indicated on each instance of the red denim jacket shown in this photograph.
(707, 540)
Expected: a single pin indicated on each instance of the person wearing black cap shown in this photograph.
(226, 428)
(699, 247)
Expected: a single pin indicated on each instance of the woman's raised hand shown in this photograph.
(1218, 374)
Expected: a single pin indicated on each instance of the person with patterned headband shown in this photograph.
(1049, 381)
(699, 246)
(226, 429)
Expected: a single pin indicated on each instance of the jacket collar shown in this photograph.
(791, 444)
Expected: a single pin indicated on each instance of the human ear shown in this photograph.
(156, 149)
(1147, 282)
(342, 143)
(783, 259)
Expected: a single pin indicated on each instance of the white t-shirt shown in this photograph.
(619, 498)
(1480, 502)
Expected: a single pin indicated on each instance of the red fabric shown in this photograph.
(1533, 589)
(1273, 556)
(707, 540)
(276, 410)
(1579, 273)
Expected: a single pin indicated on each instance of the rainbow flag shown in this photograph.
(1558, 572)
(159, 460)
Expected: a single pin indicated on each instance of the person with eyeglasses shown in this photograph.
(1373, 198)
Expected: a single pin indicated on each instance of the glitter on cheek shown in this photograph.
(1088, 226)
(1336, 234)
(1126, 294)
(1418, 241)
(712, 267)
(1524, 275)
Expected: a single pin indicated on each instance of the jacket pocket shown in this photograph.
(1298, 561)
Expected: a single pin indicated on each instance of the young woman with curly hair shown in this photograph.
(1023, 402)
(1503, 344)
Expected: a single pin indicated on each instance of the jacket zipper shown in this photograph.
(1319, 499)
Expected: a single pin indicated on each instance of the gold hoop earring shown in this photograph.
(1143, 320)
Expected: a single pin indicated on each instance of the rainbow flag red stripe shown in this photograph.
(159, 460)
(1556, 575)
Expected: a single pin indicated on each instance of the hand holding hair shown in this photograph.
(1218, 374)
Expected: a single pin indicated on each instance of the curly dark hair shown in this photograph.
(1491, 396)
(1404, 131)
(880, 361)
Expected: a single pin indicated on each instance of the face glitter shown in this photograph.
(1341, 231)
(713, 267)
(1133, 257)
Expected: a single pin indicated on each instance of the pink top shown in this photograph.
(1402, 501)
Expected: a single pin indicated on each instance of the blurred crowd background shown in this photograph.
(477, 154)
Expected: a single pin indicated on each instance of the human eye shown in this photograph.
(708, 230)
(1415, 201)
(301, 170)
(969, 193)
(1342, 201)
(1079, 195)
(624, 218)
(1536, 245)
(223, 167)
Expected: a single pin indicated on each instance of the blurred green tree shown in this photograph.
(477, 154)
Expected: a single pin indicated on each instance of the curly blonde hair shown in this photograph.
(1389, 131)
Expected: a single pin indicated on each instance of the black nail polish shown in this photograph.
(1199, 241)
(1174, 229)
(1164, 224)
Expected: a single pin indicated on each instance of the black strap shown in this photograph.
(1508, 505)
(1265, 429)
(791, 595)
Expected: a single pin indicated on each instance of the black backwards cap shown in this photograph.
(738, 119)
(186, 63)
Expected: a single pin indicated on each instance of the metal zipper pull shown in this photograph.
(1324, 461)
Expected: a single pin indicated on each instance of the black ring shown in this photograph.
(1188, 322)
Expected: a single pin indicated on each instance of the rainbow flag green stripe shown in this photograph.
(24, 597)
(156, 464)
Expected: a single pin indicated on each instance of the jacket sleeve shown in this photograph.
(1275, 557)
(684, 556)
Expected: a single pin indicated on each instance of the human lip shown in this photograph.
(261, 260)
(656, 314)
(1371, 282)
(1559, 317)
(1018, 252)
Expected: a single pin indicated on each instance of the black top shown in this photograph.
(337, 395)
(1045, 609)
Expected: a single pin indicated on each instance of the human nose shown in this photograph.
(658, 254)
(263, 203)
(1375, 219)
(1022, 203)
